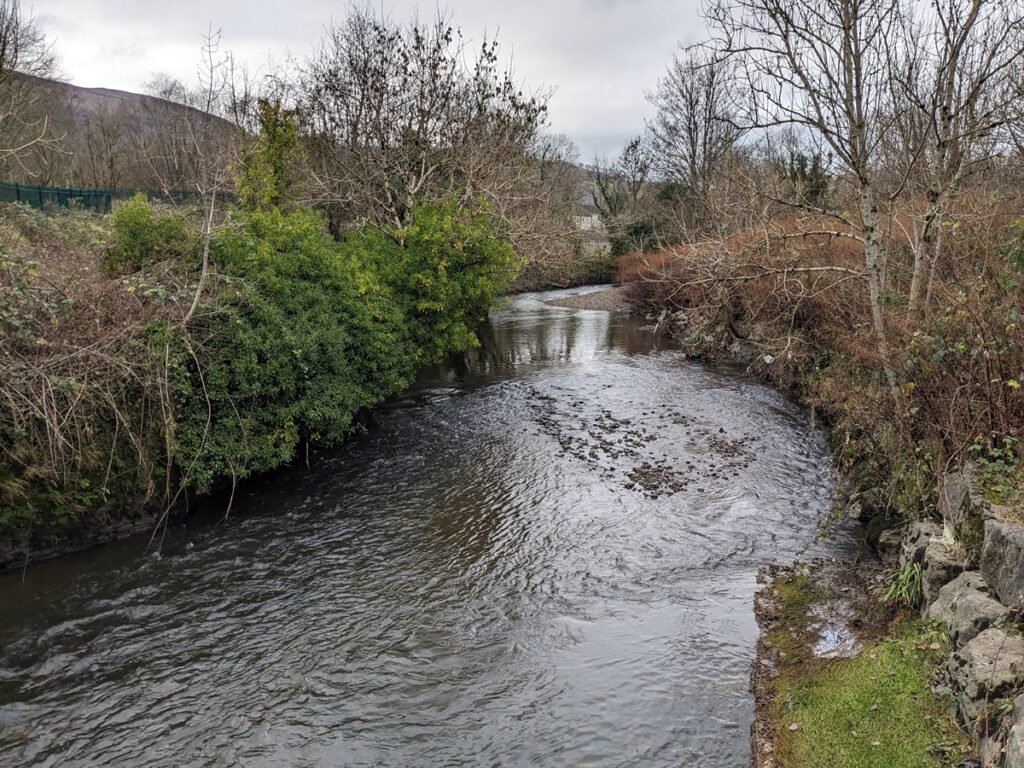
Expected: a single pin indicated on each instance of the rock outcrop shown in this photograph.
(966, 607)
(980, 608)
(938, 568)
(962, 512)
(916, 539)
(988, 668)
(1015, 739)
(1002, 560)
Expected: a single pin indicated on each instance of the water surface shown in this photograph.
(545, 555)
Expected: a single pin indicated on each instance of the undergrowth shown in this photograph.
(795, 307)
(114, 394)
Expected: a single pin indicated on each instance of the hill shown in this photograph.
(101, 137)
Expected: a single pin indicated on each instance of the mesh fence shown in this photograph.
(57, 197)
(99, 200)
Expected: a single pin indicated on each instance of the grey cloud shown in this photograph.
(599, 56)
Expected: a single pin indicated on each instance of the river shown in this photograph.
(544, 555)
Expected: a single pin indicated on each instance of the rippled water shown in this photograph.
(544, 555)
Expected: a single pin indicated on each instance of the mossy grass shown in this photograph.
(793, 636)
(877, 709)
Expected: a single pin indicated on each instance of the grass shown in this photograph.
(793, 637)
(903, 587)
(874, 710)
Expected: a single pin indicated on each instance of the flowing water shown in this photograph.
(545, 555)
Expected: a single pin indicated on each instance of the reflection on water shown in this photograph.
(543, 555)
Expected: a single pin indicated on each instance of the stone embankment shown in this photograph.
(972, 580)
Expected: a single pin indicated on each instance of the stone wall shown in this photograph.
(972, 580)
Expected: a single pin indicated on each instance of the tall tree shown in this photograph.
(824, 67)
(695, 127)
(954, 69)
(617, 186)
(400, 114)
(24, 51)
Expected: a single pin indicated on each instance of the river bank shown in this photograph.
(134, 380)
(841, 681)
(119, 519)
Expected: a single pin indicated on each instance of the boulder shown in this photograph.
(962, 513)
(965, 606)
(1015, 739)
(889, 542)
(915, 540)
(988, 668)
(938, 568)
(1002, 560)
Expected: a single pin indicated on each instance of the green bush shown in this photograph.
(267, 174)
(142, 237)
(295, 333)
(446, 269)
(305, 331)
(296, 341)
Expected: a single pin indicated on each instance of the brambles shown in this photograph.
(776, 293)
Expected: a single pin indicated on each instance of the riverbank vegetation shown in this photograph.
(298, 267)
(113, 399)
(833, 192)
(387, 115)
(843, 684)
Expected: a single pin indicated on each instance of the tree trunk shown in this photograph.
(926, 256)
(207, 235)
(874, 261)
(934, 265)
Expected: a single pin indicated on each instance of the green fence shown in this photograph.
(57, 197)
(99, 200)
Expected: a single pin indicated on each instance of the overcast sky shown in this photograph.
(600, 56)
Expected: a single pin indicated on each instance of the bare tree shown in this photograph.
(695, 127)
(824, 67)
(398, 115)
(191, 150)
(1013, 130)
(24, 55)
(103, 151)
(617, 186)
(538, 200)
(955, 71)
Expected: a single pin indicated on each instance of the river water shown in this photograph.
(545, 555)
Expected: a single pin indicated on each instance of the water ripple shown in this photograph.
(544, 555)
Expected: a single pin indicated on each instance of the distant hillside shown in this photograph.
(104, 138)
(88, 103)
